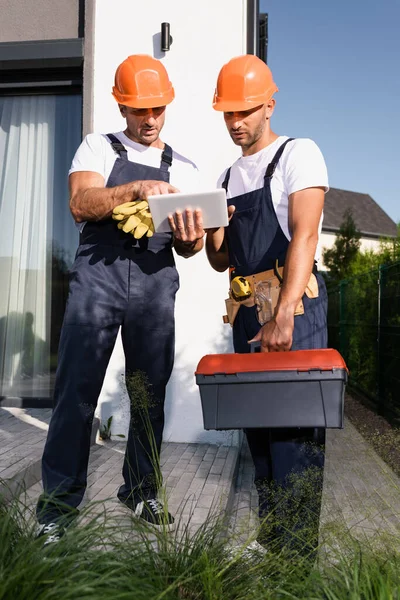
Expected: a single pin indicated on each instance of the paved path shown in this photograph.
(199, 480)
(360, 490)
(22, 435)
(361, 493)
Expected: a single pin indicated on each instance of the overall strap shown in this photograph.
(273, 164)
(226, 180)
(166, 158)
(117, 146)
(270, 169)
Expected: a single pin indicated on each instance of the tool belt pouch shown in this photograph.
(232, 308)
(266, 288)
(266, 294)
(311, 290)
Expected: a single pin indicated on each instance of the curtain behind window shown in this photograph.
(38, 137)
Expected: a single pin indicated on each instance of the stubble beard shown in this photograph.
(255, 137)
(138, 137)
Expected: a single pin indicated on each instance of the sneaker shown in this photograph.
(52, 532)
(153, 513)
(253, 551)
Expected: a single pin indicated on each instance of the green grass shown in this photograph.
(102, 560)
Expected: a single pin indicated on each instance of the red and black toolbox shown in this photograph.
(303, 388)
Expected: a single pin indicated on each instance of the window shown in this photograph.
(263, 36)
(257, 30)
(39, 133)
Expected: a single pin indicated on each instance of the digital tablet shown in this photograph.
(213, 205)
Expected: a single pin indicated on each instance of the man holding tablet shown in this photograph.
(276, 192)
(120, 278)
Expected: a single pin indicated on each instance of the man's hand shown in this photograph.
(277, 334)
(188, 238)
(147, 188)
(231, 210)
(192, 230)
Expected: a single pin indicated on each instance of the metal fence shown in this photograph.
(364, 325)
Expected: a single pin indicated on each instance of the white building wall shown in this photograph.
(327, 240)
(205, 35)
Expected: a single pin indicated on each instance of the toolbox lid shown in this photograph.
(325, 359)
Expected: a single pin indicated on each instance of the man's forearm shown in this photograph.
(96, 204)
(217, 251)
(298, 267)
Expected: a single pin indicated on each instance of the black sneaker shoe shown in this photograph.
(51, 532)
(153, 513)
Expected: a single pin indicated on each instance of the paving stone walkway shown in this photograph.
(199, 480)
(22, 437)
(361, 493)
(360, 490)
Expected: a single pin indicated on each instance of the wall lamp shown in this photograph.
(166, 38)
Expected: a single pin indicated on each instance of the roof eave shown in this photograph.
(367, 234)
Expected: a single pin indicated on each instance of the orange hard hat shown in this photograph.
(142, 81)
(243, 83)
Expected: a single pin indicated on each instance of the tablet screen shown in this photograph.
(213, 205)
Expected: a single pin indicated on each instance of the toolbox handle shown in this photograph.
(255, 347)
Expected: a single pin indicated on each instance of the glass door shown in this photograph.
(38, 238)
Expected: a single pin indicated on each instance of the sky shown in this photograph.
(337, 66)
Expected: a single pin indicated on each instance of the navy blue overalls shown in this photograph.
(255, 241)
(116, 281)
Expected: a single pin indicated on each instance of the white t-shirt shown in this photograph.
(300, 166)
(96, 154)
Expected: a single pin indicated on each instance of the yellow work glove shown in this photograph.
(145, 227)
(134, 218)
(122, 211)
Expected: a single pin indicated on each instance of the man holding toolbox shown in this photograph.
(275, 193)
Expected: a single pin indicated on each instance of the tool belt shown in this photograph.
(265, 288)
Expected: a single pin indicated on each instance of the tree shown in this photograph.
(340, 257)
(388, 253)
